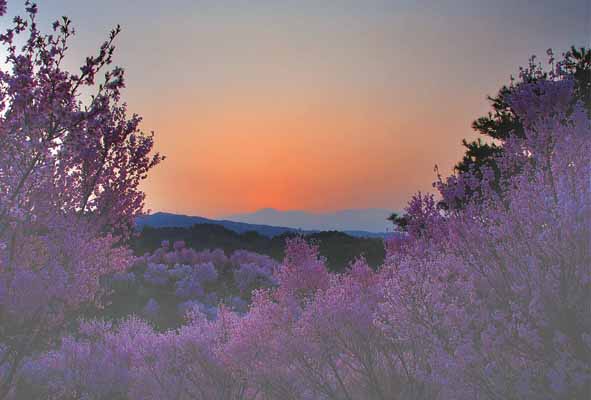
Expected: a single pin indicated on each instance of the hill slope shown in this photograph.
(338, 248)
(162, 220)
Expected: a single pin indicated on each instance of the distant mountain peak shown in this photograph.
(266, 210)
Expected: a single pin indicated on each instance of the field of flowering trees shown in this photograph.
(487, 300)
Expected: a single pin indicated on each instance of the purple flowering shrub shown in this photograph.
(253, 271)
(301, 340)
(93, 366)
(179, 279)
(133, 361)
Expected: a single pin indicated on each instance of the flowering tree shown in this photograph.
(499, 292)
(69, 183)
(504, 122)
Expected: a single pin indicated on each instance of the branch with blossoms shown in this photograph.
(69, 184)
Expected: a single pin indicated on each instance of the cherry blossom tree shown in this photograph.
(69, 183)
(499, 291)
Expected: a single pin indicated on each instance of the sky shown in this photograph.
(312, 105)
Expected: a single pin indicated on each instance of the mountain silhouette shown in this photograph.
(163, 219)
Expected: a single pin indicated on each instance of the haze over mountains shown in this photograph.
(369, 220)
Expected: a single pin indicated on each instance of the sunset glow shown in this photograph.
(294, 106)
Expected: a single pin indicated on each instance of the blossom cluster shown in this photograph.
(174, 280)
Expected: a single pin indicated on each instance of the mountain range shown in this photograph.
(369, 220)
(270, 222)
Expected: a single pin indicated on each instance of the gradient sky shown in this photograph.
(312, 105)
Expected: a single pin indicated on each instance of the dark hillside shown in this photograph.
(338, 248)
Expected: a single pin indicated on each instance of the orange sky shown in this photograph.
(313, 105)
(289, 151)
